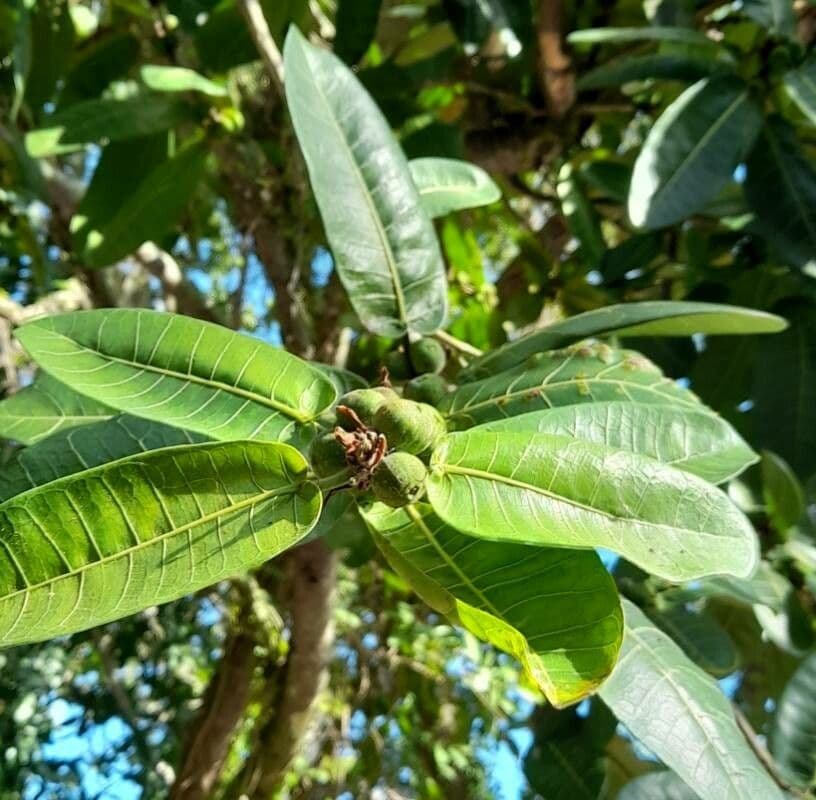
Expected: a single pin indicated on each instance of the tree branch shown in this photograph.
(555, 76)
(265, 44)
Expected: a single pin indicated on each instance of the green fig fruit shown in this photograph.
(428, 389)
(408, 426)
(364, 403)
(327, 456)
(396, 365)
(427, 355)
(399, 479)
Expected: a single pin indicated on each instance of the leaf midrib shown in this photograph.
(128, 552)
(190, 378)
(492, 476)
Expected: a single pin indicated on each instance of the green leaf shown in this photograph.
(766, 587)
(800, 84)
(344, 380)
(21, 54)
(104, 119)
(45, 408)
(552, 490)
(624, 35)
(150, 211)
(384, 245)
(647, 318)
(356, 22)
(702, 638)
(781, 189)
(690, 439)
(681, 715)
(664, 785)
(782, 492)
(77, 449)
(112, 540)
(691, 151)
(580, 374)
(187, 373)
(447, 184)
(581, 217)
(179, 79)
(793, 733)
(659, 66)
(556, 611)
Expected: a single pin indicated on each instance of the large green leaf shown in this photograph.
(557, 611)
(384, 244)
(691, 151)
(552, 490)
(783, 494)
(781, 189)
(150, 211)
(681, 715)
(647, 318)
(766, 587)
(105, 119)
(178, 370)
(78, 449)
(580, 374)
(801, 86)
(115, 539)
(688, 438)
(663, 785)
(47, 407)
(583, 222)
(662, 66)
(793, 734)
(447, 184)
(702, 638)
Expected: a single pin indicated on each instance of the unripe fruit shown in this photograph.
(364, 402)
(428, 389)
(427, 355)
(327, 456)
(409, 426)
(399, 479)
(396, 365)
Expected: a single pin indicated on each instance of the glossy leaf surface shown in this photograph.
(557, 611)
(45, 408)
(687, 438)
(115, 539)
(78, 449)
(665, 33)
(446, 185)
(681, 715)
(662, 66)
(647, 318)
(801, 86)
(581, 374)
(384, 244)
(181, 371)
(691, 151)
(552, 490)
(664, 785)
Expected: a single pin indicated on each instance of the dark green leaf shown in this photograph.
(178, 370)
(648, 318)
(692, 150)
(557, 611)
(447, 184)
(688, 438)
(681, 715)
(356, 22)
(552, 490)
(781, 189)
(801, 86)
(782, 492)
(45, 408)
(110, 541)
(581, 217)
(660, 66)
(384, 244)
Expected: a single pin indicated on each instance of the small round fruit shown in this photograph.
(396, 365)
(428, 389)
(364, 402)
(427, 355)
(409, 426)
(327, 456)
(399, 479)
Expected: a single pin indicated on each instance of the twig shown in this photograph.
(457, 344)
(262, 36)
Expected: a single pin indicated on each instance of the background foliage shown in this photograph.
(655, 151)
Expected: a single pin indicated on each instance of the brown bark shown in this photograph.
(222, 709)
(555, 75)
(312, 572)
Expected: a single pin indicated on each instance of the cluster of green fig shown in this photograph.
(381, 439)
